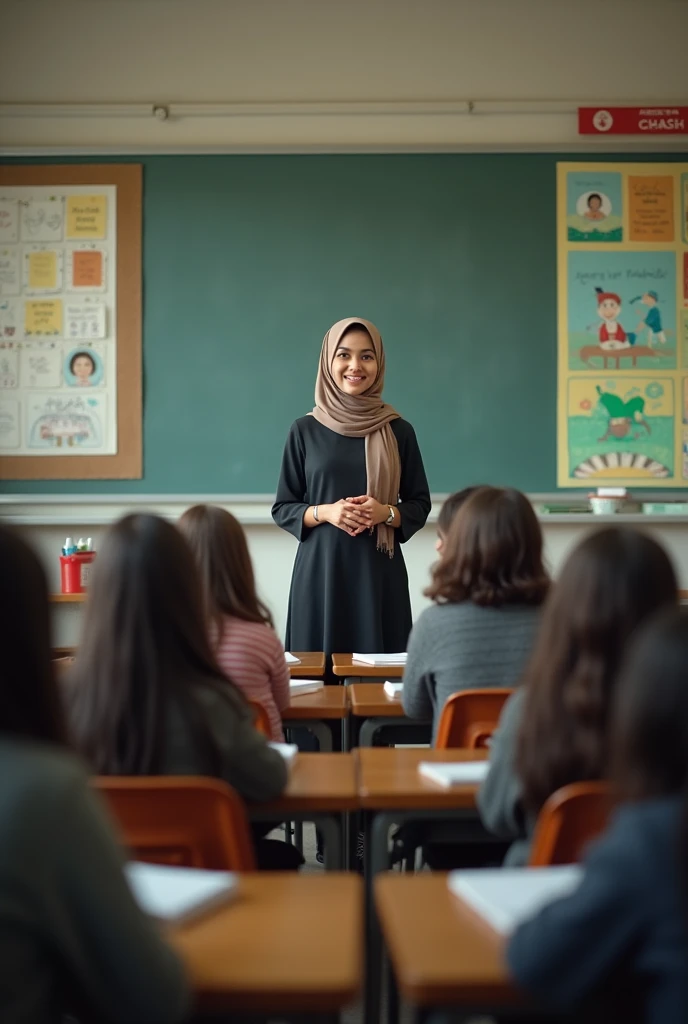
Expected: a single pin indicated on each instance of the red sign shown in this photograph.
(633, 120)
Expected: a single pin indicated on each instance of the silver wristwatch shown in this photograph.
(390, 518)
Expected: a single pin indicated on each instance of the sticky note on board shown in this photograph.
(86, 217)
(87, 268)
(43, 318)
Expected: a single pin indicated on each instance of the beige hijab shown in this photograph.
(363, 415)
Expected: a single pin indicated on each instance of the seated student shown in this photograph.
(622, 939)
(247, 649)
(148, 697)
(450, 506)
(487, 588)
(553, 731)
(71, 936)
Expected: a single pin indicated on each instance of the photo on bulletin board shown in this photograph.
(83, 368)
(594, 207)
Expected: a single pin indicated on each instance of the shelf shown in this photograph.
(67, 598)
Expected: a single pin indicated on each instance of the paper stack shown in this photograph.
(297, 687)
(454, 773)
(506, 896)
(287, 750)
(393, 689)
(380, 659)
(291, 660)
(179, 894)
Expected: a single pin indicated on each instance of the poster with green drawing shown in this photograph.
(594, 207)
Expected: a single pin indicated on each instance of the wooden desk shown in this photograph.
(377, 713)
(443, 954)
(314, 711)
(344, 666)
(321, 788)
(388, 778)
(289, 944)
(312, 665)
(392, 792)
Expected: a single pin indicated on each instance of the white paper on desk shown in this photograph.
(179, 894)
(454, 773)
(393, 689)
(300, 686)
(291, 660)
(380, 659)
(505, 897)
(286, 750)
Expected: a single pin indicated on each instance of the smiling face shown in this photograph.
(354, 366)
(609, 309)
(83, 367)
(594, 203)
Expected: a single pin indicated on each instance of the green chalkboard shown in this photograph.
(249, 259)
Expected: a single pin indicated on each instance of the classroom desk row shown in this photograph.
(361, 709)
(295, 943)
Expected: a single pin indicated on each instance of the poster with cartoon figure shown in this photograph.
(621, 310)
(621, 426)
(593, 207)
(62, 423)
(58, 320)
(622, 255)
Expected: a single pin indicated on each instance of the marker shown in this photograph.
(69, 547)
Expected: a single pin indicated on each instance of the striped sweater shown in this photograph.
(252, 655)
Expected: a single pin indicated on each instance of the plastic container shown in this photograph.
(75, 572)
(605, 506)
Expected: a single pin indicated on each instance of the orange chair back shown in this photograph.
(569, 820)
(470, 717)
(186, 821)
(260, 718)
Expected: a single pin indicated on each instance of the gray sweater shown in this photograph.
(68, 922)
(500, 798)
(463, 646)
(254, 769)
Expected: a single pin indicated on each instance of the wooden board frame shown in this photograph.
(127, 464)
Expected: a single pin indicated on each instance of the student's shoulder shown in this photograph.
(642, 838)
(253, 635)
(39, 772)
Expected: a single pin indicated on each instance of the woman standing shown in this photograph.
(351, 490)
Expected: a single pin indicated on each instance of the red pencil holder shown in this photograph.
(75, 572)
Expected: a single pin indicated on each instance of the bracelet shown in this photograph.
(315, 513)
(390, 518)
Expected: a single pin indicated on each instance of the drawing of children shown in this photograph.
(82, 366)
(611, 333)
(653, 318)
(594, 210)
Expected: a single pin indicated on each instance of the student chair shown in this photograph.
(187, 821)
(568, 821)
(470, 717)
(261, 721)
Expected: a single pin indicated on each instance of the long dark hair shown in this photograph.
(650, 713)
(219, 546)
(492, 553)
(145, 646)
(612, 582)
(29, 700)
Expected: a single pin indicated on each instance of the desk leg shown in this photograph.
(319, 728)
(376, 861)
(392, 993)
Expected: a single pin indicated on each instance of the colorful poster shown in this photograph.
(87, 269)
(86, 217)
(62, 423)
(622, 325)
(9, 271)
(684, 207)
(651, 208)
(85, 320)
(43, 318)
(42, 270)
(9, 220)
(9, 423)
(42, 220)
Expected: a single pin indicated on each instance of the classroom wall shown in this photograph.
(366, 73)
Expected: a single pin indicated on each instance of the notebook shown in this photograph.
(380, 659)
(505, 897)
(287, 750)
(393, 689)
(299, 686)
(177, 895)
(291, 660)
(454, 773)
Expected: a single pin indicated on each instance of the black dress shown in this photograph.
(346, 595)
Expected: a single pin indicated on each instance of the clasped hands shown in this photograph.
(355, 515)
